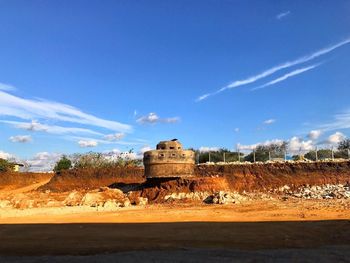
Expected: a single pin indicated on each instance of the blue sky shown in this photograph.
(101, 75)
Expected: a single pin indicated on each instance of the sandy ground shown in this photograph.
(256, 231)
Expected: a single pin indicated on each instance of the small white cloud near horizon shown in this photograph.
(236, 129)
(208, 149)
(269, 121)
(250, 147)
(6, 155)
(335, 138)
(114, 136)
(153, 118)
(21, 138)
(314, 134)
(297, 145)
(86, 144)
(283, 15)
(43, 161)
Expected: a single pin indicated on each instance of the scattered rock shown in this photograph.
(326, 191)
(73, 199)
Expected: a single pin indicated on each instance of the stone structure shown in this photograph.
(169, 160)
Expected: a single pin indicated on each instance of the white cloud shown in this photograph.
(286, 76)
(336, 138)
(30, 109)
(145, 149)
(209, 149)
(236, 129)
(282, 15)
(279, 67)
(203, 97)
(269, 121)
(43, 161)
(153, 118)
(114, 137)
(6, 156)
(21, 138)
(7, 87)
(84, 144)
(296, 145)
(37, 126)
(340, 121)
(251, 147)
(314, 134)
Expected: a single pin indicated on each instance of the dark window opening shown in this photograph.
(172, 148)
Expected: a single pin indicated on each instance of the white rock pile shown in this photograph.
(327, 191)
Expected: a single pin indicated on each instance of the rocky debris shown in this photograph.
(73, 199)
(222, 198)
(197, 196)
(326, 191)
(5, 204)
(98, 197)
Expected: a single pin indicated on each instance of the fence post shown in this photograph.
(254, 155)
(349, 154)
(224, 158)
(269, 156)
(198, 157)
(332, 154)
(316, 154)
(239, 155)
(209, 156)
(285, 156)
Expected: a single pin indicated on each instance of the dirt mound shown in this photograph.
(271, 175)
(156, 190)
(209, 179)
(87, 179)
(14, 180)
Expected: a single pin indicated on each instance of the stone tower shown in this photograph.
(169, 160)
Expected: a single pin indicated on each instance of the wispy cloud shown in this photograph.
(21, 138)
(54, 129)
(114, 137)
(277, 68)
(30, 109)
(314, 134)
(269, 121)
(6, 155)
(335, 138)
(89, 143)
(7, 87)
(103, 141)
(282, 15)
(340, 121)
(286, 76)
(153, 118)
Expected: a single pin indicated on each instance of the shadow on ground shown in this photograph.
(90, 239)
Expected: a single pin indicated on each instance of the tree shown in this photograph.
(5, 165)
(264, 152)
(344, 144)
(63, 164)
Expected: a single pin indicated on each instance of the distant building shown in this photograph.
(16, 166)
(169, 160)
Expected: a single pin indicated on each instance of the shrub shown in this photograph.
(63, 164)
(5, 165)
